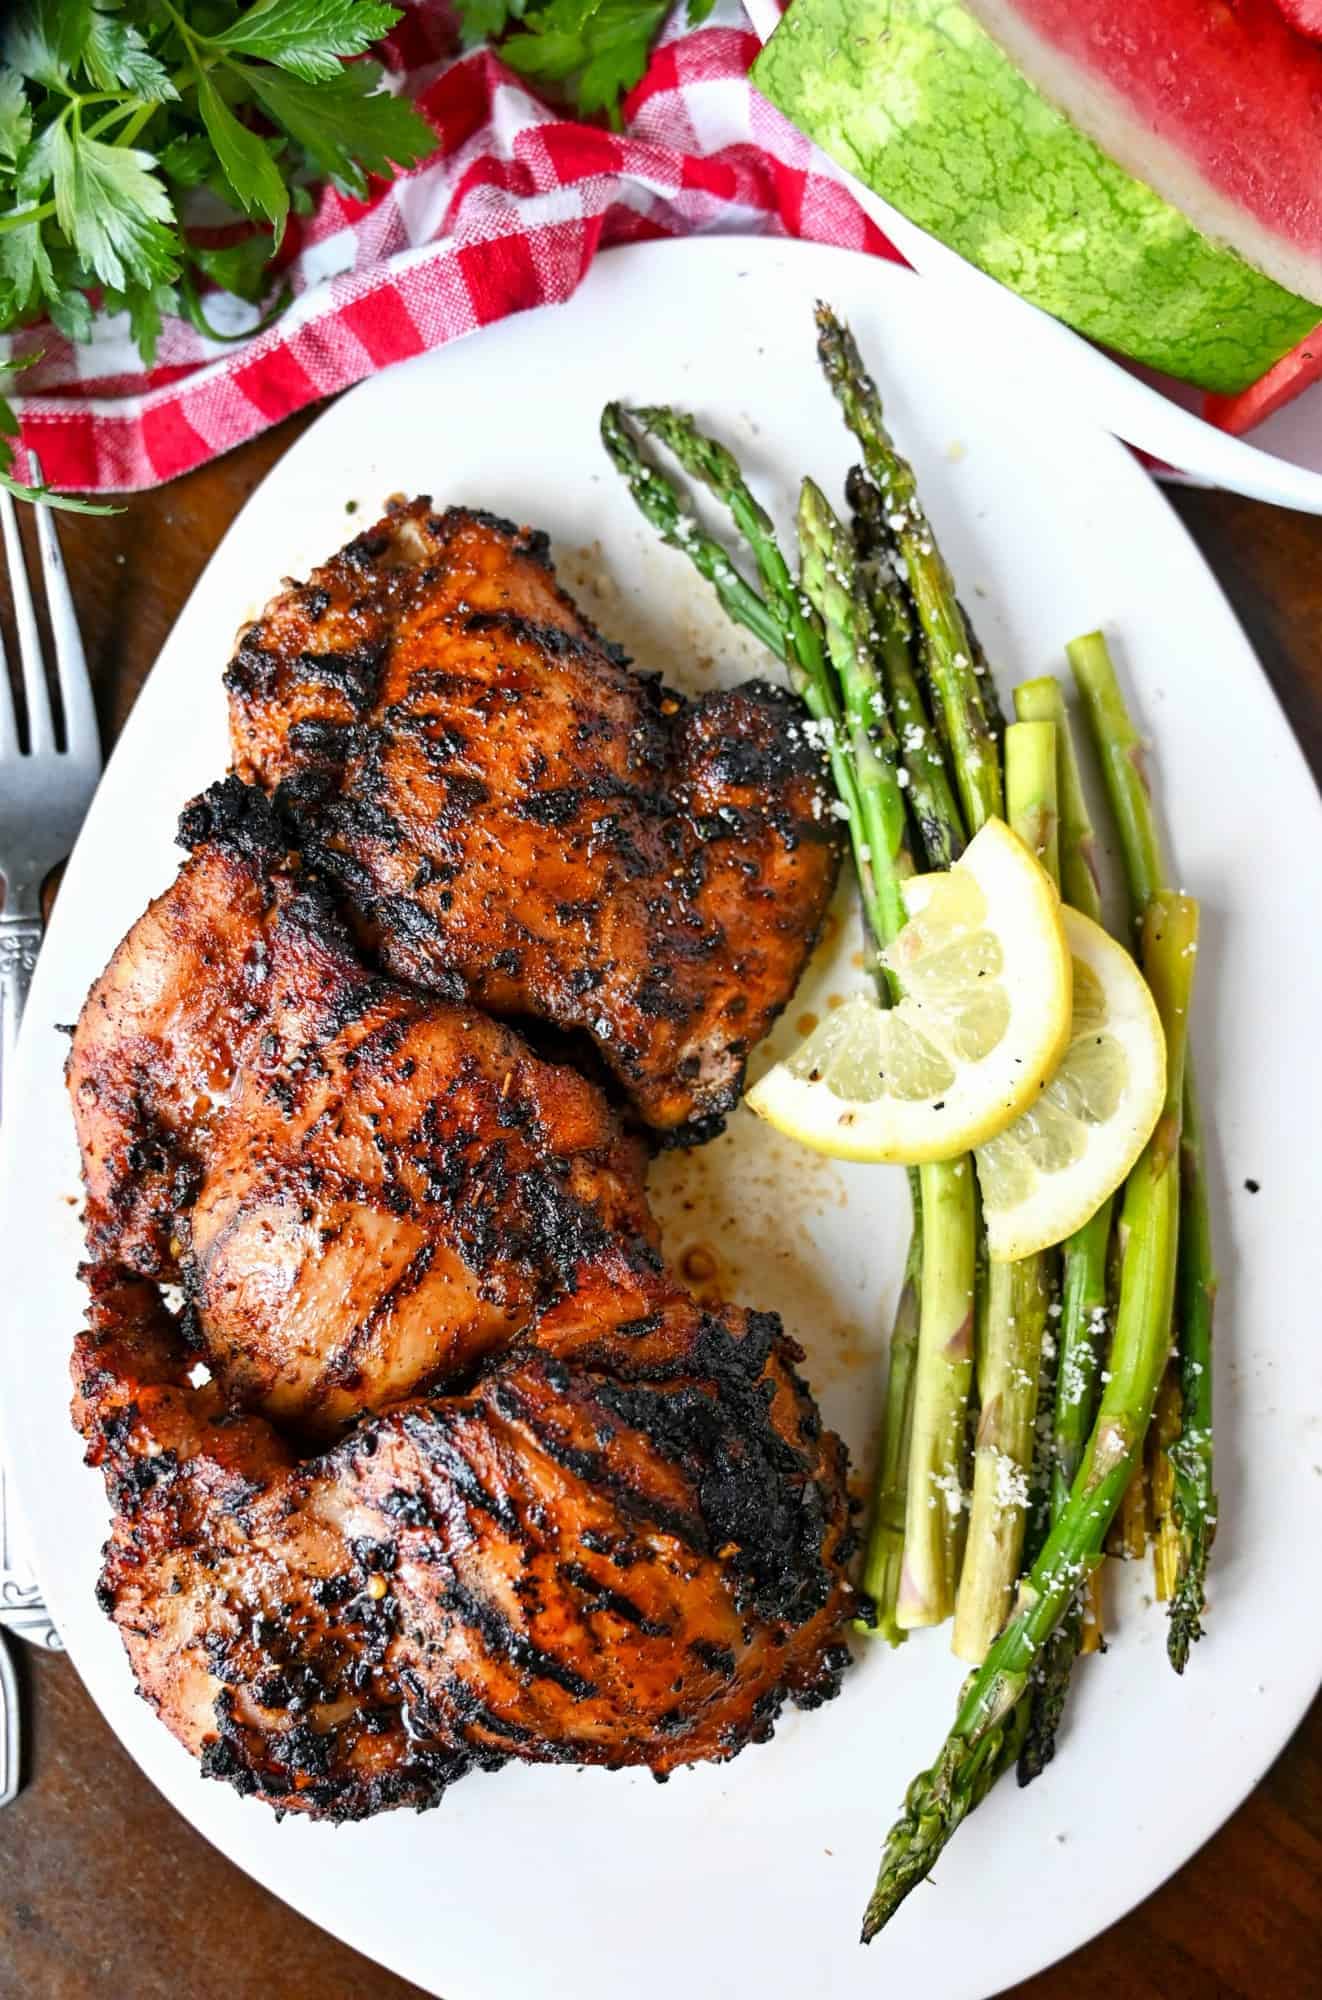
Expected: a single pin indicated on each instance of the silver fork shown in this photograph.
(45, 790)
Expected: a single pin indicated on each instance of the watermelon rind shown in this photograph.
(919, 102)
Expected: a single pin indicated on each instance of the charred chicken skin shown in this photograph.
(516, 817)
(473, 1477)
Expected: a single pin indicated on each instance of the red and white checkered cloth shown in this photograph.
(507, 213)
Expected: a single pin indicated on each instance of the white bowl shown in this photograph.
(1283, 463)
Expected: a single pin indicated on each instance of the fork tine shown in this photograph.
(80, 731)
(41, 732)
(8, 720)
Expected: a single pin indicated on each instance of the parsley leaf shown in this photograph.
(346, 125)
(240, 267)
(146, 306)
(112, 209)
(117, 54)
(187, 159)
(599, 48)
(45, 38)
(26, 277)
(307, 37)
(244, 156)
(35, 166)
(15, 118)
(485, 20)
(70, 312)
(591, 50)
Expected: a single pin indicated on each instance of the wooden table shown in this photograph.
(105, 1894)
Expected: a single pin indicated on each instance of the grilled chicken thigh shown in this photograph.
(360, 1188)
(515, 816)
(628, 1552)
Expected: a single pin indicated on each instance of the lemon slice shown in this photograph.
(984, 1019)
(1050, 1171)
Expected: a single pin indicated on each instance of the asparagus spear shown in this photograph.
(864, 735)
(933, 1519)
(991, 701)
(933, 1534)
(956, 683)
(933, 1531)
(944, 1362)
(1032, 792)
(1128, 1538)
(1009, 1368)
(1161, 1484)
(1120, 751)
(1194, 1501)
(832, 588)
(1036, 1529)
(707, 460)
(1041, 700)
(931, 799)
(971, 1756)
(885, 541)
(1008, 1376)
(961, 687)
(884, 1552)
(1081, 1345)
(1082, 1330)
(658, 501)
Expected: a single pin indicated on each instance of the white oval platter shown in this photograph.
(749, 1879)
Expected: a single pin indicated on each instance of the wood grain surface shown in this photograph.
(105, 1894)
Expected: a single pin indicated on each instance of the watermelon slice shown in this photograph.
(1301, 367)
(1152, 174)
(1216, 107)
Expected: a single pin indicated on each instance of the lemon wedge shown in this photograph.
(985, 1016)
(1050, 1171)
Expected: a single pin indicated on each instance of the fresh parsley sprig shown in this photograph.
(114, 112)
(592, 51)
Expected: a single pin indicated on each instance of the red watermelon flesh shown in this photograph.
(1216, 104)
(1306, 15)
(1294, 373)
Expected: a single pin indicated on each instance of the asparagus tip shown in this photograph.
(1187, 1607)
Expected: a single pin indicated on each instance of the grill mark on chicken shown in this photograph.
(429, 1428)
(594, 1468)
(599, 1596)
(503, 1642)
(347, 1370)
(481, 759)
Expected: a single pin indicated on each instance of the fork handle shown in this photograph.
(20, 937)
(11, 1729)
(21, 1607)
